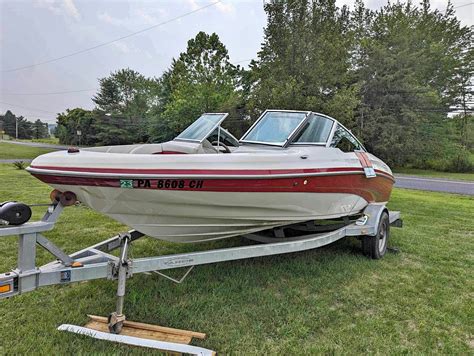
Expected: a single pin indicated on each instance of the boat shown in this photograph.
(289, 167)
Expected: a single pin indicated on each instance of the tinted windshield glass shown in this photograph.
(202, 127)
(224, 136)
(275, 127)
(317, 130)
(343, 140)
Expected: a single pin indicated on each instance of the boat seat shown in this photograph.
(170, 147)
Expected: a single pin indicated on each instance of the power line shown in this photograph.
(111, 41)
(243, 60)
(27, 108)
(457, 7)
(84, 90)
(80, 90)
(51, 93)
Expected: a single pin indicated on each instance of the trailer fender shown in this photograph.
(374, 213)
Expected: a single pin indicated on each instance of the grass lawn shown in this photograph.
(50, 140)
(435, 174)
(13, 151)
(329, 300)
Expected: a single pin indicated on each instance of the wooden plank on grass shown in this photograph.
(151, 327)
(144, 334)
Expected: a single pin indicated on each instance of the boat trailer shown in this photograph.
(96, 262)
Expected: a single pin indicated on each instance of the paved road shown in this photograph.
(37, 144)
(435, 184)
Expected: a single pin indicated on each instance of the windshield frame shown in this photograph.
(225, 114)
(290, 136)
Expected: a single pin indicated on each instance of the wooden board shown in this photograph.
(146, 331)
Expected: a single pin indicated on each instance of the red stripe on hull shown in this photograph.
(376, 189)
(364, 159)
(204, 171)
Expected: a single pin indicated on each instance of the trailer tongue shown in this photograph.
(96, 262)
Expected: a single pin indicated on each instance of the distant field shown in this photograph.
(13, 151)
(331, 300)
(435, 174)
(49, 140)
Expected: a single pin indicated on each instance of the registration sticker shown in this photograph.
(126, 183)
(369, 172)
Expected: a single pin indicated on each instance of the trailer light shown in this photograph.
(5, 288)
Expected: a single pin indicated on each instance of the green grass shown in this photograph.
(50, 140)
(435, 174)
(330, 300)
(14, 151)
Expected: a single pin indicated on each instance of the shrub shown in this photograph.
(19, 165)
(461, 162)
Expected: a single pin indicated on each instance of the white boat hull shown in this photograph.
(190, 216)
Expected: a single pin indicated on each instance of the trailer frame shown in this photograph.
(96, 262)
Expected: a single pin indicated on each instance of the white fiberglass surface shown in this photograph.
(202, 127)
(275, 127)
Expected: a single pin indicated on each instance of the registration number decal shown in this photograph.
(126, 183)
(168, 184)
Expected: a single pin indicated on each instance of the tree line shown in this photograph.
(19, 127)
(399, 77)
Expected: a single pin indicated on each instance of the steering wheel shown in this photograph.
(216, 143)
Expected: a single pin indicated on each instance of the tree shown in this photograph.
(72, 121)
(113, 129)
(202, 79)
(10, 122)
(406, 63)
(129, 94)
(40, 129)
(305, 60)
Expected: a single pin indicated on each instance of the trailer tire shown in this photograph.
(375, 247)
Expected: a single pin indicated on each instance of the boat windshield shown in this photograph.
(317, 131)
(274, 127)
(202, 127)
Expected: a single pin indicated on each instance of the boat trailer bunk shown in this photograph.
(96, 262)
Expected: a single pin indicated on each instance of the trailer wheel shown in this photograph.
(376, 246)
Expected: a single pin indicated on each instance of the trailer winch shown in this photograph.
(14, 213)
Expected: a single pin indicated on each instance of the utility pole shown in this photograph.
(16, 128)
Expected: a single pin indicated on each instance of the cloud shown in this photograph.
(225, 7)
(67, 8)
(122, 47)
(146, 17)
(149, 16)
(108, 19)
(193, 4)
(136, 18)
(71, 9)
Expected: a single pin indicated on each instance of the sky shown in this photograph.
(39, 30)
